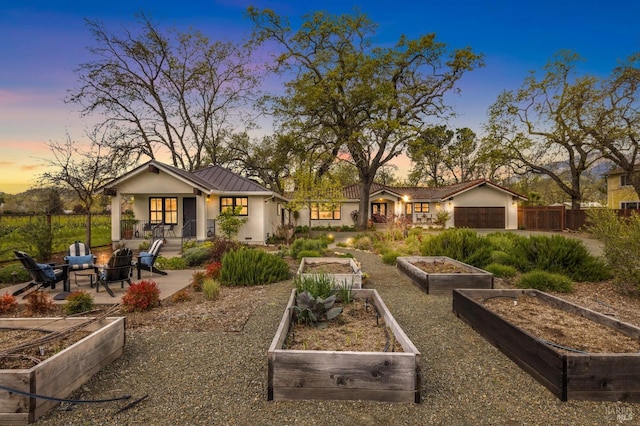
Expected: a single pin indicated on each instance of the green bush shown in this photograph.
(389, 258)
(171, 263)
(501, 270)
(318, 285)
(247, 267)
(561, 255)
(308, 253)
(460, 244)
(211, 288)
(502, 258)
(545, 281)
(304, 244)
(21, 276)
(362, 243)
(78, 302)
(196, 256)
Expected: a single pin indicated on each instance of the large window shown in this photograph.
(408, 208)
(324, 212)
(625, 180)
(230, 203)
(632, 205)
(163, 210)
(421, 207)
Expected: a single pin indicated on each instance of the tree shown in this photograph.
(174, 92)
(536, 128)
(84, 170)
(230, 222)
(367, 102)
(427, 154)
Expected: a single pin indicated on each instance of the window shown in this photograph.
(632, 205)
(324, 212)
(233, 202)
(421, 207)
(625, 180)
(163, 210)
(408, 208)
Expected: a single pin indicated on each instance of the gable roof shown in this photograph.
(212, 179)
(352, 192)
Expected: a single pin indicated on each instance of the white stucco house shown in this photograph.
(178, 204)
(477, 204)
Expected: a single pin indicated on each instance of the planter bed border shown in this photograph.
(353, 280)
(344, 375)
(443, 283)
(569, 376)
(60, 375)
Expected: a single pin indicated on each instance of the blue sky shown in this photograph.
(42, 42)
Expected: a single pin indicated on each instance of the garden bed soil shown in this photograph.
(327, 268)
(441, 274)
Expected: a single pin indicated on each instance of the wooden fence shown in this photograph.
(555, 218)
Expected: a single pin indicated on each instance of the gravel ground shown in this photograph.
(220, 378)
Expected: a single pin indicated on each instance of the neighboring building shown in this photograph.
(475, 204)
(177, 203)
(620, 193)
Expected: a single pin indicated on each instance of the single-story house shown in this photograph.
(175, 203)
(474, 204)
(620, 193)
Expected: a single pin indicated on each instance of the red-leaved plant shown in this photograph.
(213, 270)
(8, 303)
(141, 296)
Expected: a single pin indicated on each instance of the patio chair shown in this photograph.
(118, 269)
(146, 260)
(42, 274)
(79, 258)
(171, 230)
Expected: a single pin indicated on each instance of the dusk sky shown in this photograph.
(42, 42)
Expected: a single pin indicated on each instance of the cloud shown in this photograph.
(30, 167)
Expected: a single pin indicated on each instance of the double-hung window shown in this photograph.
(421, 207)
(163, 210)
(625, 180)
(230, 203)
(325, 212)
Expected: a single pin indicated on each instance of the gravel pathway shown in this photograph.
(206, 378)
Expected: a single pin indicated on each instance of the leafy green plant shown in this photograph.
(13, 272)
(230, 222)
(315, 311)
(196, 256)
(78, 302)
(8, 303)
(362, 243)
(545, 281)
(171, 263)
(248, 267)
(345, 294)
(211, 288)
(318, 285)
(309, 253)
(141, 296)
(305, 244)
(501, 271)
(460, 244)
(389, 258)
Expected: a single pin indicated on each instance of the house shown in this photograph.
(620, 193)
(170, 202)
(473, 204)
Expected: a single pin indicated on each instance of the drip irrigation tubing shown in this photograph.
(68, 401)
(566, 348)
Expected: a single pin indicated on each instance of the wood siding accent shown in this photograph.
(479, 217)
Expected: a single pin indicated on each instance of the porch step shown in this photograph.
(172, 247)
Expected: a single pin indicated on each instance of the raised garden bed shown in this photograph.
(568, 375)
(342, 270)
(441, 274)
(344, 375)
(57, 376)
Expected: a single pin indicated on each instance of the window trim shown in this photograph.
(624, 203)
(625, 180)
(163, 212)
(234, 204)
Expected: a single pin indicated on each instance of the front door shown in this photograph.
(379, 212)
(189, 217)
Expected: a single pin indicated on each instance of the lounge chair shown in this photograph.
(118, 269)
(146, 260)
(42, 274)
(79, 258)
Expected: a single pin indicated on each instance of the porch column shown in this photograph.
(201, 218)
(115, 218)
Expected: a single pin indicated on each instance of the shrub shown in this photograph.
(362, 243)
(318, 285)
(78, 302)
(502, 258)
(38, 302)
(315, 311)
(21, 274)
(252, 267)
(561, 255)
(304, 244)
(211, 288)
(197, 279)
(181, 296)
(389, 258)
(196, 256)
(309, 253)
(8, 303)
(545, 281)
(230, 222)
(222, 246)
(213, 270)
(621, 238)
(460, 244)
(501, 270)
(171, 263)
(142, 296)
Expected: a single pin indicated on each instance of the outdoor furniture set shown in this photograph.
(79, 260)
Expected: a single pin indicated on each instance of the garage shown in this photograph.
(479, 217)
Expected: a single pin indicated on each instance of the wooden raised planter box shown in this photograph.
(337, 375)
(443, 283)
(569, 376)
(61, 374)
(352, 280)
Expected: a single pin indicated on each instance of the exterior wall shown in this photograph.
(254, 231)
(345, 217)
(617, 194)
(485, 196)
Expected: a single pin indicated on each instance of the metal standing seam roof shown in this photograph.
(225, 180)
